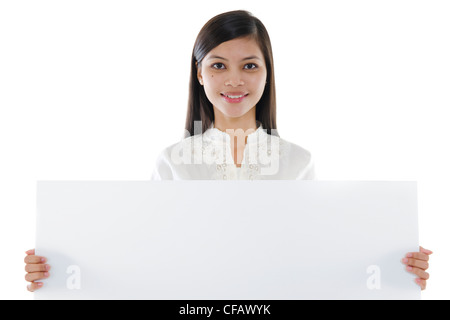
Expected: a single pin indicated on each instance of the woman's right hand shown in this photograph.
(36, 270)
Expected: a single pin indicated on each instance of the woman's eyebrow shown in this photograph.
(248, 58)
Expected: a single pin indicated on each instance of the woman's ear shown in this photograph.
(199, 74)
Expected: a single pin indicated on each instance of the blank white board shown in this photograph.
(227, 240)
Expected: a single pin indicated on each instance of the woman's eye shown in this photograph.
(220, 66)
(217, 65)
(252, 66)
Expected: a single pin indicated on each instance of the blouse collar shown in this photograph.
(217, 135)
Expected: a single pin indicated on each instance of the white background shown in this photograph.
(94, 90)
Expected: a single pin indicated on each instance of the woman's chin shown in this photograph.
(235, 111)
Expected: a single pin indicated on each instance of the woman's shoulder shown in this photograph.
(178, 152)
(293, 150)
(298, 159)
(175, 161)
(175, 150)
(166, 159)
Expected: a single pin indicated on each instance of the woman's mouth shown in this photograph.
(234, 97)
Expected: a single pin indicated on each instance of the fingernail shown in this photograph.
(40, 284)
(418, 280)
(409, 255)
(405, 260)
(43, 260)
(47, 267)
(409, 268)
(46, 274)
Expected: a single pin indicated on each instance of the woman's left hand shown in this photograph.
(417, 263)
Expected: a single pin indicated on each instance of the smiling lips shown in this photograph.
(234, 97)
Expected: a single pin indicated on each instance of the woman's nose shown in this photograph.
(234, 80)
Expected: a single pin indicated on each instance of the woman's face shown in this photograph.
(234, 76)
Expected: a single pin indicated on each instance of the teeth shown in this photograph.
(235, 97)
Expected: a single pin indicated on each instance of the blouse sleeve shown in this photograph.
(309, 172)
(162, 170)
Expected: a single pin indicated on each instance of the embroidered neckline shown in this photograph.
(212, 133)
(213, 148)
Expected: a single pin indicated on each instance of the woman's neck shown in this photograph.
(246, 122)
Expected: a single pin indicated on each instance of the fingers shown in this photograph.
(33, 276)
(34, 259)
(418, 272)
(422, 283)
(418, 256)
(34, 286)
(36, 270)
(37, 267)
(426, 251)
(416, 263)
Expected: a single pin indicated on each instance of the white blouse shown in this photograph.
(208, 156)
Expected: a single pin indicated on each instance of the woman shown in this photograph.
(232, 110)
(231, 122)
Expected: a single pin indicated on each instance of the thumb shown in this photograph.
(426, 251)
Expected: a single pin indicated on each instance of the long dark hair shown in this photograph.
(224, 27)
